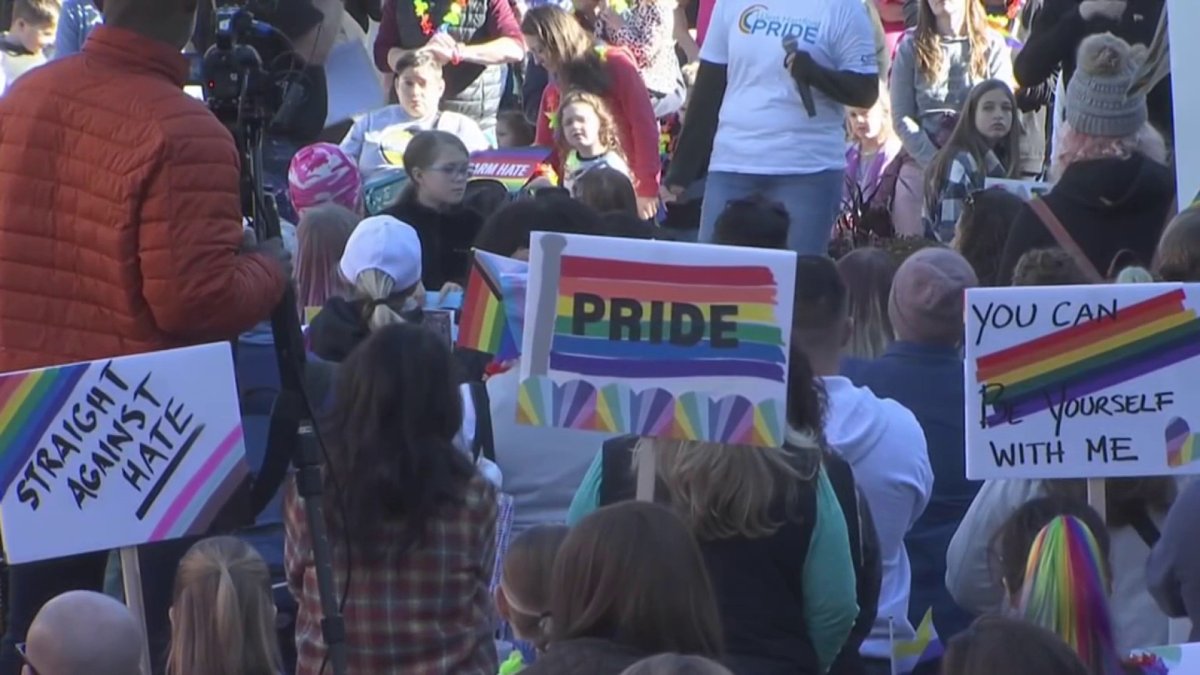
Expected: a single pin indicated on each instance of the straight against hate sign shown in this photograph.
(1082, 381)
(114, 453)
(657, 338)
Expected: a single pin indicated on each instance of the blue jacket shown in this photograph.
(929, 381)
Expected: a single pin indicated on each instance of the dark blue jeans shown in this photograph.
(33, 584)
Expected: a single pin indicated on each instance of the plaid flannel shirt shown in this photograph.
(964, 177)
(427, 611)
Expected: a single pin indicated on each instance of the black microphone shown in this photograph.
(805, 89)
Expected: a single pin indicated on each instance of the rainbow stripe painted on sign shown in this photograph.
(29, 403)
(1181, 443)
(618, 409)
(591, 352)
(1094, 355)
(206, 492)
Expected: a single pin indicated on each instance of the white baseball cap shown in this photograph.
(386, 244)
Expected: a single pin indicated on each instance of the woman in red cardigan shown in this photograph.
(565, 49)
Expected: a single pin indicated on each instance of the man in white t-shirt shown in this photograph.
(787, 69)
(378, 138)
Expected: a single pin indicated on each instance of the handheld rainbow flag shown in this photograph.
(493, 309)
(1086, 358)
(925, 647)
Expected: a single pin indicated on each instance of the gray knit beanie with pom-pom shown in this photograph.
(1097, 102)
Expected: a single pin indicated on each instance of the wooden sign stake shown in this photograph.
(1096, 497)
(131, 575)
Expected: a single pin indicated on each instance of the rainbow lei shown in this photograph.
(451, 19)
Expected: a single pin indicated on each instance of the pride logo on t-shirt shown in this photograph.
(759, 20)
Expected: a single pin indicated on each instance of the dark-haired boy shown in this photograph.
(25, 45)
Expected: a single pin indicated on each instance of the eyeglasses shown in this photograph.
(25, 658)
(455, 170)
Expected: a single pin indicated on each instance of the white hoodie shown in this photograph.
(542, 466)
(885, 446)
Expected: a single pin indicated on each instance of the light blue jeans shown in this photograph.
(812, 201)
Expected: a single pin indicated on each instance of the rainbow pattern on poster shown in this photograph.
(1103, 352)
(491, 321)
(590, 350)
(207, 491)
(1181, 443)
(618, 409)
(512, 167)
(29, 403)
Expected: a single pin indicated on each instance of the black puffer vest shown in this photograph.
(471, 89)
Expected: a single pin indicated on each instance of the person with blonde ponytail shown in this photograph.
(382, 263)
(222, 613)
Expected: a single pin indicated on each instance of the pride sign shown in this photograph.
(114, 453)
(1082, 381)
(514, 167)
(657, 339)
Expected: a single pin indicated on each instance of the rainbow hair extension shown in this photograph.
(1066, 591)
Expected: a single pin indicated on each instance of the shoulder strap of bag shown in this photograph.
(1064, 239)
(483, 445)
(1140, 520)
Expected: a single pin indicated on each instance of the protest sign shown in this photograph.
(1185, 88)
(657, 338)
(513, 167)
(1082, 381)
(114, 453)
(1181, 659)
(1025, 189)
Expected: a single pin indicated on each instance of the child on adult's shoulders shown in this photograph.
(378, 138)
(26, 45)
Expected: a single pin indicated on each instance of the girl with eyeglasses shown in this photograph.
(438, 167)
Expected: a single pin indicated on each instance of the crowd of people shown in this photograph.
(861, 134)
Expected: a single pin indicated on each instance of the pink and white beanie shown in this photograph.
(322, 173)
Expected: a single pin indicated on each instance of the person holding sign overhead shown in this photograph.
(121, 233)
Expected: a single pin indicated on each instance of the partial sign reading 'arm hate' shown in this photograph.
(1081, 381)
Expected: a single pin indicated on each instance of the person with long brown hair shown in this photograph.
(321, 239)
(416, 530)
(629, 583)
(223, 613)
(867, 273)
(523, 595)
(935, 68)
(566, 50)
(986, 143)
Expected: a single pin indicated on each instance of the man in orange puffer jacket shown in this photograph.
(120, 233)
(120, 214)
